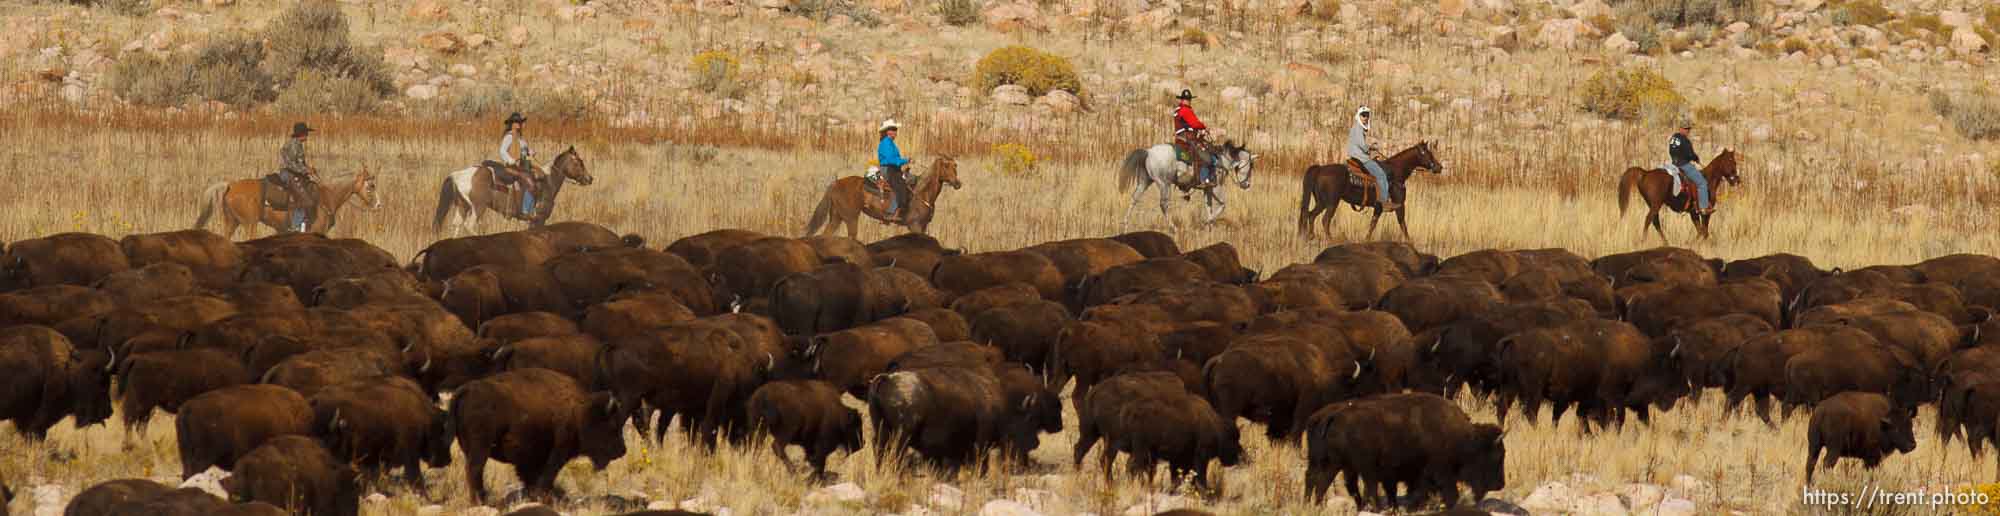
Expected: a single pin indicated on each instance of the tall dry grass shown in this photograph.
(126, 174)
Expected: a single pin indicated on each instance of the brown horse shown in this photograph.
(466, 189)
(241, 203)
(845, 201)
(1330, 185)
(1654, 185)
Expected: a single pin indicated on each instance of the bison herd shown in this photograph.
(303, 364)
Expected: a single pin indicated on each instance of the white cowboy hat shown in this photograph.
(1359, 114)
(888, 124)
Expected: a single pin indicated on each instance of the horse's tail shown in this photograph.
(820, 213)
(1625, 185)
(210, 202)
(445, 194)
(1305, 193)
(1133, 171)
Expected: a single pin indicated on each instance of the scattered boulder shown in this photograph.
(428, 10)
(443, 42)
(1012, 95)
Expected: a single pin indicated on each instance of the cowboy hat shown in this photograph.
(516, 117)
(889, 124)
(1186, 95)
(300, 129)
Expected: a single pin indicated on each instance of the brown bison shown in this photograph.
(968, 273)
(1222, 264)
(52, 304)
(482, 293)
(1679, 266)
(1183, 430)
(914, 252)
(1023, 332)
(1756, 369)
(148, 283)
(517, 326)
(589, 278)
(947, 324)
(386, 286)
(537, 420)
(61, 259)
(950, 415)
(905, 291)
(1433, 301)
(1839, 287)
(748, 271)
(575, 236)
(259, 297)
(166, 379)
(574, 355)
(1203, 301)
(971, 304)
(837, 248)
(1657, 313)
(307, 373)
(700, 372)
(1293, 294)
(1466, 352)
(830, 298)
(513, 250)
(120, 497)
(1862, 364)
(702, 250)
(1602, 367)
(1136, 277)
(1150, 244)
(1930, 337)
(1937, 298)
(632, 314)
(306, 266)
(1278, 379)
(99, 499)
(1970, 403)
(1085, 257)
(1359, 279)
(212, 259)
(219, 427)
(1420, 440)
(50, 380)
(1492, 266)
(1697, 349)
(383, 422)
(1405, 256)
(297, 473)
(849, 358)
(1862, 425)
(1837, 312)
(807, 413)
(1091, 351)
(1790, 271)
(1952, 269)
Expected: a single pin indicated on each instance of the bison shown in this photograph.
(166, 379)
(836, 248)
(1222, 264)
(1657, 313)
(914, 252)
(1429, 302)
(1421, 440)
(702, 250)
(830, 298)
(53, 304)
(702, 373)
(1757, 368)
(849, 358)
(1023, 332)
(1091, 351)
(1698, 349)
(968, 273)
(574, 355)
(1406, 258)
(1137, 277)
(50, 379)
(148, 283)
(212, 259)
(807, 413)
(61, 259)
(1085, 257)
(627, 315)
(219, 427)
(1861, 425)
(748, 270)
(971, 304)
(514, 249)
(297, 473)
(949, 325)
(383, 422)
(1150, 244)
(950, 415)
(537, 420)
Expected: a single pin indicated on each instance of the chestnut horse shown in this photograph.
(467, 192)
(844, 202)
(241, 203)
(1654, 185)
(1330, 185)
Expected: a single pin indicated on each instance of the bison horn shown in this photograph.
(611, 406)
(1025, 402)
(770, 362)
(1677, 347)
(1371, 355)
(333, 424)
(447, 289)
(1357, 370)
(111, 363)
(736, 304)
(426, 368)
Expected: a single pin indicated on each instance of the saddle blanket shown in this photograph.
(1675, 173)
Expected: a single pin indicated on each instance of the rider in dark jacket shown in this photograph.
(297, 178)
(1682, 151)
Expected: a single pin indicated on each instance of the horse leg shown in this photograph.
(1372, 222)
(1404, 225)
(1167, 200)
(1653, 219)
(1138, 192)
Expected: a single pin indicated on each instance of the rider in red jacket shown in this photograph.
(1189, 134)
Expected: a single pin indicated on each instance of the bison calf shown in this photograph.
(807, 413)
(1862, 425)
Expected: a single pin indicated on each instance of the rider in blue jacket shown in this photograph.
(892, 162)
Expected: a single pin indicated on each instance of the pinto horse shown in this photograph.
(241, 203)
(1326, 186)
(845, 201)
(467, 192)
(1656, 187)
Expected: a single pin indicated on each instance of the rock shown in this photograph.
(774, 4)
(159, 40)
(1553, 497)
(73, 93)
(1392, 71)
(479, 511)
(1588, 9)
(844, 492)
(572, 13)
(1503, 38)
(1451, 8)
(1737, 28)
(443, 42)
(1012, 95)
(1562, 34)
(1497, 5)
(421, 92)
(210, 481)
(1955, 19)
(1966, 42)
(1155, 20)
(1498, 506)
(1641, 496)
(1233, 93)
(218, 3)
(1461, 104)
(1006, 508)
(1674, 507)
(1014, 16)
(1058, 101)
(464, 70)
(1618, 44)
(376, 498)
(1600, 504)
(519, 36)
(944, 496)
(428, 10)
(477, 41)
(430, 510)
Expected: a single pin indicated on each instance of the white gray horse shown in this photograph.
(1157, 166)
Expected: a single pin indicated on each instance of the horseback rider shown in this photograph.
(1360, 150)
(513, 166)
(1682, 151)
(297, 178)
(1192, 138)
(892, 162)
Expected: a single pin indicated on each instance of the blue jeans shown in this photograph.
(1381, 178)
(1208, 171)
(1689, 171)
(527, 203)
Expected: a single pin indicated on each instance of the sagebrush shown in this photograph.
(1040, 72)
(1632, 94)
(1976, 115)
(308, 42)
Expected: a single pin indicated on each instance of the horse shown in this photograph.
(241, 203)
(1654, 185)
(1329, 185)
(466, 192)
(1157, 166)
(844, 201)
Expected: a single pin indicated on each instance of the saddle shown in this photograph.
(1685, 189)
(1357, 176)
(274, 194)
(875, 189)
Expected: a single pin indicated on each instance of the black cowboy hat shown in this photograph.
(1186, 95)
(300, 129)
(516, 117)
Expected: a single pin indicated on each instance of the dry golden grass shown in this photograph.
(130, 176)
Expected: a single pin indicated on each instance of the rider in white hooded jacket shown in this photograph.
(1358, 148)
